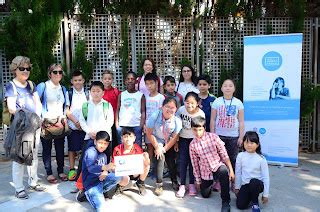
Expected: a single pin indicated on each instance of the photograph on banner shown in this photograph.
(271, 91)
(128, 165)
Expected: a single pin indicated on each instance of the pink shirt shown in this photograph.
(207, 155)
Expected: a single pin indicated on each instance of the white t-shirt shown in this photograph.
(186, 117)
(55, 100)
(184, 88)
(78, 98)
(142, 86)
(227, 122)
(153, 104)
(130, 109)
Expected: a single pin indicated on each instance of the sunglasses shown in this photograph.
(57, 72)
(23, 68)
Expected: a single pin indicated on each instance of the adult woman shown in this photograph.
(162, 131)
(21, 94)
(148, 66)
(187, 81)
(52, 96)
(278, 90)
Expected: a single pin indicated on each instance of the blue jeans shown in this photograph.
(137, 132)
(95, 194)
(185, 160)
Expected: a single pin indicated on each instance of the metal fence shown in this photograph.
(168, 41)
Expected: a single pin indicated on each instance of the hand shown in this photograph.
(103, 175)
(198, 185)
(264, 200)
(236, 192)
(110, 167)
(240, 141)
(77, 124)
(231, 176)
(176, 147)
(92, 135)
(159, 152)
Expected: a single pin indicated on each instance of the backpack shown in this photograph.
(85, 110)
(6, 115)
(70, 94)
(139, 80)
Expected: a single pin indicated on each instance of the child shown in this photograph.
(77, 96)
(227, 119)
(206, 98)
(96, 175)
(111, 95)
(97, 115)
(131, 109)
(252, 173)
(187, 81)
(186, 113)
(153, 103)
(163, 129)
(148, 66)
(210, 161)
(129, 148)
(169, 90)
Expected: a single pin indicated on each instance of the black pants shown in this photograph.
(169, 157)
(249, 193)
(222, 175)
(231, 144)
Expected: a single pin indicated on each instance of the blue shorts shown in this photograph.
(75, 140)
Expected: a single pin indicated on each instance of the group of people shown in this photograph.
(181, 125)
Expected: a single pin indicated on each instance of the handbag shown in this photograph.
(54, 128)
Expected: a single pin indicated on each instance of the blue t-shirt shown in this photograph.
(205, 105)
(25, 98)
(92, 163)
(163, 129)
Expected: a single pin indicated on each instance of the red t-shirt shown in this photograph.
(118, 151)
(111, 96)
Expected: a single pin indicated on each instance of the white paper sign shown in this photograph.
(128, 165)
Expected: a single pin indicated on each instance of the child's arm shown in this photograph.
(110, 119)
(143, 112)
(241, 126)
(90, 161)
(116, 121)
(238, 173)
(195, 164)
(213, 120)
(265, 180)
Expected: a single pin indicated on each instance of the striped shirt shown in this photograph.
(207, 155)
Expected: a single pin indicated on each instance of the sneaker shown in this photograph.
(37, 188)
(225, 207)
(216, 187)
(159, 189)
(192, 190)
(72, 175)
(255, 208)
(81, 197)
(22, 195)
(175, 185)
(142, 188)
(119, 190)
(181, 192)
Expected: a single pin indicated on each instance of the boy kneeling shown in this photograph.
(128, 147)
(97, 175)
(210, 161)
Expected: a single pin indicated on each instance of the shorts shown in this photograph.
(134, 178)
(75, 140)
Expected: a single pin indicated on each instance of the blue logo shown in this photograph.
(121, 162)
(262, 131)
(272, 61)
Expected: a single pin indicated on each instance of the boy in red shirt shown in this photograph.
(111, 95)
(128, 147)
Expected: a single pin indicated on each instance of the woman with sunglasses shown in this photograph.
(52, 96)
(21, 94)
(163, 129)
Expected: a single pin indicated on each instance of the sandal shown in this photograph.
(37, 188)
(63, 177)
(52, 179)
(22, 195)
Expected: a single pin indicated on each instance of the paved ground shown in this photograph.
(292, 189)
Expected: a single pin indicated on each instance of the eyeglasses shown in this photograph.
(23, 68)
(169, 109)
(57, 72)
(186, 71)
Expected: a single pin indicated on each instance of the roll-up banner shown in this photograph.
(271, 94)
